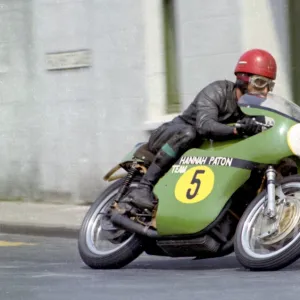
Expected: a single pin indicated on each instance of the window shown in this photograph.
(163, 98)
(172, 95)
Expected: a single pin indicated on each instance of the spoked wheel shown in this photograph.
(100, 245)
(271, 244)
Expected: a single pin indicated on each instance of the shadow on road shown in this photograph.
(229, 262)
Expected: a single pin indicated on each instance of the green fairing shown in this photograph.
(174, 217)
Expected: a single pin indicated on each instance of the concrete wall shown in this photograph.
(62, 130)
(69, 127)
(209, 43)
(264, 24)
(213, 34)
(17, 159)
(91, 116)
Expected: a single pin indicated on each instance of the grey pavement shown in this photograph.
(41, 219)
(48, 268)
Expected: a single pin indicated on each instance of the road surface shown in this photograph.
(40, 268)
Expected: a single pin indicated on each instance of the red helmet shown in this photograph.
(257, 62)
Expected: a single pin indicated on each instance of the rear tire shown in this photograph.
(285, 255)
(124, 255)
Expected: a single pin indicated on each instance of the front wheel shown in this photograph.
(264, 245)
(92, 238)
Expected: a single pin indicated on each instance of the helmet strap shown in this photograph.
(242, 85)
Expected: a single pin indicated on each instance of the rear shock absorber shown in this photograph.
(127, 181)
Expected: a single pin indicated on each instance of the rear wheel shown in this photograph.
(93, 239)
(261, 244)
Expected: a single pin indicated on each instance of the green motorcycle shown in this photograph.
(240, 196)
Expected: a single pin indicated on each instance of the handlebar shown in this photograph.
(238, 125)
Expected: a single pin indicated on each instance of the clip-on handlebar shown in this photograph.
(238, 125)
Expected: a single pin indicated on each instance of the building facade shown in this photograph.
(141, 62)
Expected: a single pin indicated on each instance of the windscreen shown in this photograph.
(273, 102)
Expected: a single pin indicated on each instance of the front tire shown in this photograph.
(95, 258)
(276, 252)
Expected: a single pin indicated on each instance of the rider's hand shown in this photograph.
(249, 127)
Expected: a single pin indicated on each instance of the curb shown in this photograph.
(40, 230)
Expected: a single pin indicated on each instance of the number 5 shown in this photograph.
(196, 181)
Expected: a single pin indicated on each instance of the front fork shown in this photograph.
(269, 225)
(271, 192)
(270, 209)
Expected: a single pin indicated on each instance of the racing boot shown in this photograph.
(142, 197)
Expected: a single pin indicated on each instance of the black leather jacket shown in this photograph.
(213, 107)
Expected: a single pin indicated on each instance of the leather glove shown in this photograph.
(249, 127)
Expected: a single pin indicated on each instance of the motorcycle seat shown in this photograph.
(144, 153)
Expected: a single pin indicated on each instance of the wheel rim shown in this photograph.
(288, 229)
(94, 228)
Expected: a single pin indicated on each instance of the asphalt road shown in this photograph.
(38, 268)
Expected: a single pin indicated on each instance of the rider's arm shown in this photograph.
(207, 116)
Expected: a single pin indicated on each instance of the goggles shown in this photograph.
(261, 82)
(257, 81)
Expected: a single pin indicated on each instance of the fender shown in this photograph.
(109, 175)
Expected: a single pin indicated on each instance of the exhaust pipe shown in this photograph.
(132, 226)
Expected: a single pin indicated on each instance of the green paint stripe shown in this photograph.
(168, 150)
